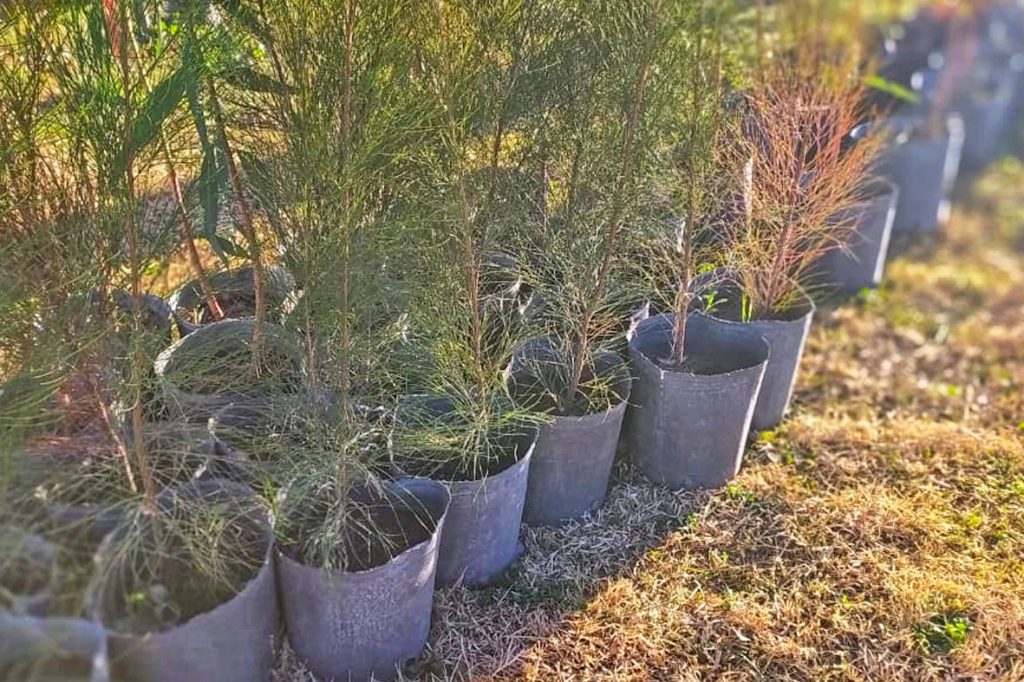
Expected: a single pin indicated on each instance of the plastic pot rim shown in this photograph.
(400, 557)
(763, 345)
(97, 612)
(806, 306)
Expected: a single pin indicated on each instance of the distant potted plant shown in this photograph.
(987, 109)
(923, 163)
(859, 262)
(803, 176)
(215, 366)
(927, 138)
(234, 291)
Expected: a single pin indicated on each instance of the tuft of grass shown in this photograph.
(942, 633)
(740, 494)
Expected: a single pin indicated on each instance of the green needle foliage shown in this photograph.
(349, 124)
(464, 323)
(697, 184)
(614, 97)
(337, 174)
(460, 187)
(110, 94)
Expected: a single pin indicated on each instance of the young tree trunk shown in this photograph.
(247, 226)
(684, 294)
(117, 30)
(593, 300)
(469, 239)
(346, 201)
(186, 232)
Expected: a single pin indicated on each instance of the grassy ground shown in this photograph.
(877, 535)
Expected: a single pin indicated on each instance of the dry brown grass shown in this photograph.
(892, 498)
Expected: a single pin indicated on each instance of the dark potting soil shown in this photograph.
(593, 396)
(84, 469)
(448, 466)
(57, 666)
(44, 460)
(730, 309)
(374, 536)
(232, 305)
(159, 606)
(172, 592)
(21, 576)
(700, 365)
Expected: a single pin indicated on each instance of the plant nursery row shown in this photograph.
(309, 305)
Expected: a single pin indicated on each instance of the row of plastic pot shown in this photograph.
(687, 429)
(684, 428)
(950, 131)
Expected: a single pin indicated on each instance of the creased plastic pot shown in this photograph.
(156, 313)
(235, 429)
(689, 430)
(83, 526)
(481, 536)
(52, 650)
(786, 337)
(925, 171)
(233, 642)
(234, 291)
(860, 263)
(572, 461)
(571, 466)
(351, 626)
(211, 368)
(481, 533)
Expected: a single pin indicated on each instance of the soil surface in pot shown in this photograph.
(448, 466)
(25, 568)
(233, 305)
(235, 293)
(166, 590)
(88, 468)
(728, 306)
(539, 388)
(588, 401)
(434, 441)
(701, 365)
(374, 535)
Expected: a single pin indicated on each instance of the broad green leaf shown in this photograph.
(225, 247)
(894, 89)
(212, 178)
(195, 102)
(158, 105)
